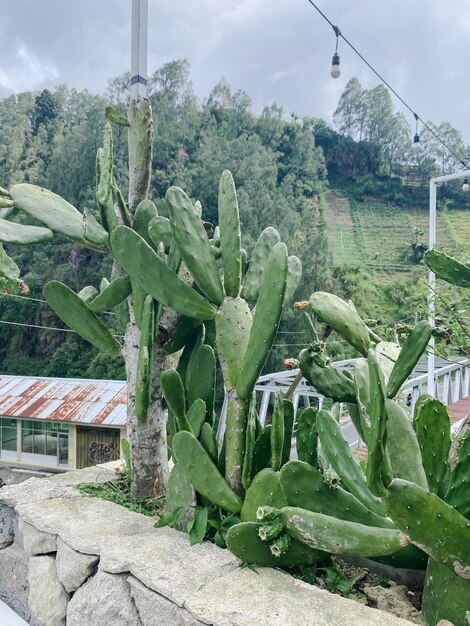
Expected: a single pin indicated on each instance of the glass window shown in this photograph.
(63, 449)
(27, 440)
(39, 443)
(8, 438)
(51, 444)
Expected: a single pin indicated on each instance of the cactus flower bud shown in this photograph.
(290, 364)
(300, 306)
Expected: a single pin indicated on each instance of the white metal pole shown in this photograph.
(432, 277)
(139, 48)
(432, 284)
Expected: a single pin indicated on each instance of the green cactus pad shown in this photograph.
(115, 116)
(230, 237)
(244, 542)
(445, 596)
(403, 447)
(159, 230)
(195, 415)
(180, 495)
(161, 283)
(145, 213)
(87, 294)
(387, 354)
(265, 490)
(104, 179)
(277, 432)
(323, 532)
(432, 426)
(186, 328)
(448, 268)
(266, 319)
(250, 439)
(307, 436)
(208, 441)
(18, 234)
(193, 244)
(6, 203)
(378, 470)
(262, 451)
(112, 295)
(199, 469)
(458, 494)
(288, 430)
(56, 213)
(143, 385)
(343, 462)
(233, 324)
(410, 354)
(8, 268)
(76, 314)
(327, 380)
(266, 242)
(294, 274)
(175, 397)
(434, 526)
(200, 378)
(342, 318)
(305, 487)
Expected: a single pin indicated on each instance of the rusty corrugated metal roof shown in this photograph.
(78, 401)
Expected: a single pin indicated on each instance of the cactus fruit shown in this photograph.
(410, 354)
(200, 470)
(324, 532)
(76, 314)
(56, 213)
(244, 542)
(133, 253)
(342, 318)
(448, 268)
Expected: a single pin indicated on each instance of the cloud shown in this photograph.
(26, 71)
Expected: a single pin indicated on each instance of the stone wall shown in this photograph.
(80, 561)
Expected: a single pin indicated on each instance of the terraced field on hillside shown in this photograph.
(377, 235)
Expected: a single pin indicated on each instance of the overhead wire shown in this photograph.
(338, 33)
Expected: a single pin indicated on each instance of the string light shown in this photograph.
(338, 33)
(335, 68)
(416, 145)
(465, 186)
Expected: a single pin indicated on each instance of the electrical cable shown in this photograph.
(338, 33)
(62, 330)
(14, 295)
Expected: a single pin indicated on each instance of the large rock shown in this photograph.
(73, 568)
(84, 522)
(104, 600)
(57, 486)
(272, 598)
(14, 580)
(8, 523)
(35, 541)
(155, 610)
(47, 598)
(165, 562)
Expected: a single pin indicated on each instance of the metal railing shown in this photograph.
(451, 382)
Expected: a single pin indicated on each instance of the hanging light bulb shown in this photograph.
(465, 186)
(335, 68)
(416, 145)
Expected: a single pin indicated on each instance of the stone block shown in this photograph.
(47, 598)
(14, 586)
(104, 600)
(155, 610)
(268, 597)
(8, 522)
(73, 568)
(164, 561)
(35, 541)
(84, 522)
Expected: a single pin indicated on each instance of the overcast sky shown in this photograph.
(276, 50)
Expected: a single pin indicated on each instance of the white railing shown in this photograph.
(451, 382)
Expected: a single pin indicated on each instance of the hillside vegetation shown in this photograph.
(346, 201)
